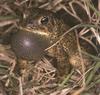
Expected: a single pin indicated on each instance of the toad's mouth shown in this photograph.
(40, 32)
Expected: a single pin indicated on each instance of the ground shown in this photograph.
(40, 78)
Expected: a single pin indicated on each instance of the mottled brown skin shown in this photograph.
(51, 28)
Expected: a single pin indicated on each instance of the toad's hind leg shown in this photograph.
(82, 59)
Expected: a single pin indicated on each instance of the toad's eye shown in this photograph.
(44, 20)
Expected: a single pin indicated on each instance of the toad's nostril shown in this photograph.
(29, 25)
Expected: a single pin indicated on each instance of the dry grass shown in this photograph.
(40, 79)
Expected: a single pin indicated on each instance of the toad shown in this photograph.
(38, 31)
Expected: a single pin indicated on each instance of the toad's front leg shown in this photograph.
(62, 60)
